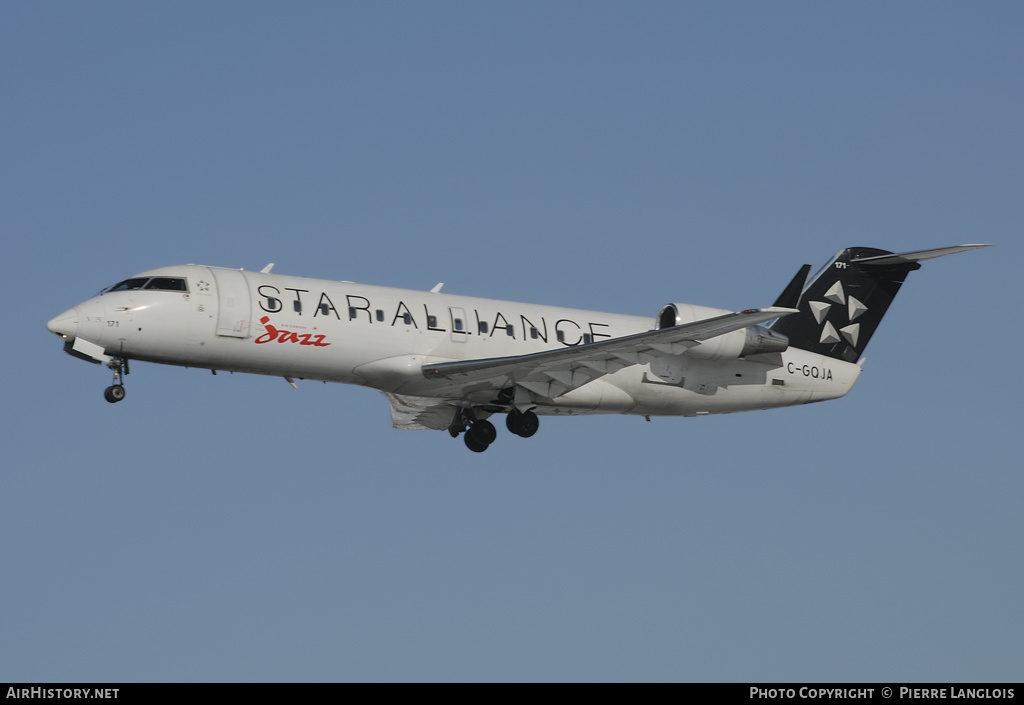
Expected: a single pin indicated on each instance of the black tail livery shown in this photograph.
(845, 302)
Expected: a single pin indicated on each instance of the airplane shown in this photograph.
(449, 362)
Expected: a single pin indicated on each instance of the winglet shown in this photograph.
(790, 296)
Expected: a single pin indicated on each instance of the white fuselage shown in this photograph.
(380, 337)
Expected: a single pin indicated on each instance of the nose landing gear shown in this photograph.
(115, 392)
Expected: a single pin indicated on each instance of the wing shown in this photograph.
(413, 413)
(552, 373)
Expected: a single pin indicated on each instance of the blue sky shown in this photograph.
(602, 155)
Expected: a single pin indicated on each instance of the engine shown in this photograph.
(739, 343)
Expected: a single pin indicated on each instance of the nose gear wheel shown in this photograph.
(115, 392)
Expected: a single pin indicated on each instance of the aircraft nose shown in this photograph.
(65, 324)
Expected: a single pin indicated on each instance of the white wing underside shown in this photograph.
(552, 373)
(411, 413)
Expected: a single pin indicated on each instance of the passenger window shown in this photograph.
(483, 327)
(534, 334)
(325, 310)
(587, 339)
(560, 335)
(351, 312)
(458, 325)
(407, 317)
(380, 315)
(431, 321)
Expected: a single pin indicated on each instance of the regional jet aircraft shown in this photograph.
(449, 362)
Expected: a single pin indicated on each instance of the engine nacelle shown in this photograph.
(739, 343)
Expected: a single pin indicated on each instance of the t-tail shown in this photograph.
(843, 305)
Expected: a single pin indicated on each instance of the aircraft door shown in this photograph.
(234, 309)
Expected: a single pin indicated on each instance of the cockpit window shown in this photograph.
(167, 284)
(130, 284)
(150, 284)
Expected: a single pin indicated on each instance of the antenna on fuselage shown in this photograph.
(266, 270)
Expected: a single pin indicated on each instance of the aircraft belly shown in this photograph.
(678, 401)
(692, 387)
(598, 396)
(398, 374)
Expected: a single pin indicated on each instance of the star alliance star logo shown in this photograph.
(203, 286)
(855, 309)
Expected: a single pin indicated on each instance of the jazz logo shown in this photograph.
(286, 336)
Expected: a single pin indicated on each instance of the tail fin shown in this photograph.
(845, 302)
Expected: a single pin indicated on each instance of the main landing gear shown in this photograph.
(480, 433)
(524, 424)
(115, 392)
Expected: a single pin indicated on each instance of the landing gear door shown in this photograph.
(234, 307)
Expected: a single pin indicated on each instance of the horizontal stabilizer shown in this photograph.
(841, 309)
(916, 256)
